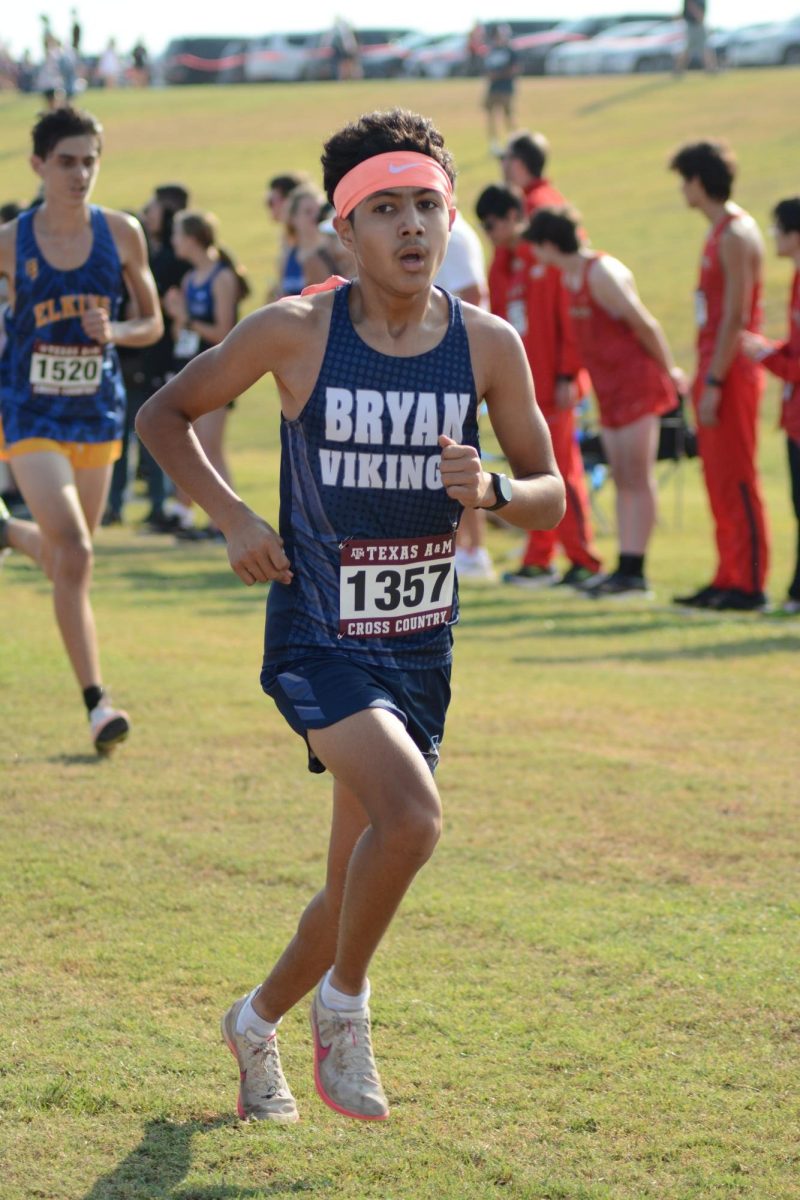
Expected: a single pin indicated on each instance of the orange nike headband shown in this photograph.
(384, 173)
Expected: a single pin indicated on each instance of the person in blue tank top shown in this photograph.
(204, 309)
(379, 381)
(62, 401)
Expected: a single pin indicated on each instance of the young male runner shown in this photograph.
(379, 383)
(783, 359)
(533, 299)
(728, 386)
(62, 401)
(634, 377)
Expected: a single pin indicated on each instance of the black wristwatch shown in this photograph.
(712, 381)
(502, 492)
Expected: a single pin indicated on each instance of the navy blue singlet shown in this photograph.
(55, 382)
(360, 465)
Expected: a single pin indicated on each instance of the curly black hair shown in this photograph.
(53, 127)
(381, 133)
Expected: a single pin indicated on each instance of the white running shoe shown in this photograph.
(474, 564)
(263, 1091)
(344, 1068)
(109, 727)
(5, 516)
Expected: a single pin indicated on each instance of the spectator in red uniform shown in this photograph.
(531, 298)
(728, 386)
(634, 376)
(524, 160)
(783, 359)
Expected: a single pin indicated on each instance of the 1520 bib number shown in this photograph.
(65, 370)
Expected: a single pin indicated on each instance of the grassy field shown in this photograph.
(591, 991)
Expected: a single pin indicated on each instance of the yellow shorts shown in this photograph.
(82, 455)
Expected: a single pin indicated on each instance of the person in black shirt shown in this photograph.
(696, 46)
(500, 67)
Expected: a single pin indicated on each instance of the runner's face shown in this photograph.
(70, 169)
(515, 172)
(400, 236)
(501, 231)
(277, 204)
(546, 253)
(153, 217)
(692, 192)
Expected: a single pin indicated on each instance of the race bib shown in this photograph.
(65, 370)
(700, 308)
(188, 344)
(396, 586)
(518, 316)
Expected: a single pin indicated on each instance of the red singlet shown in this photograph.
(629, 384)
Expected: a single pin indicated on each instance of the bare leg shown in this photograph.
(375, 764)
(631, 453)
(66, 512)
(313, 948)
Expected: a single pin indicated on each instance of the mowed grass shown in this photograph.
(591, 991)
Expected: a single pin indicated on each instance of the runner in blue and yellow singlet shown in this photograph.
(379, 382)
(62, 401)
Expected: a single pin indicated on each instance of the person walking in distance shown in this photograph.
(62, 401)
(380, 380)
(728, 386)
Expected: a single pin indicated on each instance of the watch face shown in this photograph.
(503, 488)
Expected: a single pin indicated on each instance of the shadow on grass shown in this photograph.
(156, 1168)
(625, 97)
(74, 760)
(716, 650)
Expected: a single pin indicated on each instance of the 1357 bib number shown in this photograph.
(395, 587)
(65, 370)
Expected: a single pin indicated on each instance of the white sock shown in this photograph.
(248, 1018)
(339, 1001)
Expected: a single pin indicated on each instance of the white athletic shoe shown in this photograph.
(4, 516)
(109, 727)
(474, 564)
(263, 1091)
(344, 1067)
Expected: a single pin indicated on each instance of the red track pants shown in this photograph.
(728, 453)
(575, 530)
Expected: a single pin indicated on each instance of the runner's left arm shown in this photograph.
(503, 379)
(147, 327)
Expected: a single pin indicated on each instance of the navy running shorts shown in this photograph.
(318, 691)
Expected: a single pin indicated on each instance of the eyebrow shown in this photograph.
(395, 192)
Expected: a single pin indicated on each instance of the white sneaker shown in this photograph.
(474, 564)
(263, 1091)
(344, 1068)
(109, 727)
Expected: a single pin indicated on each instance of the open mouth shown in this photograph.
(412, 256)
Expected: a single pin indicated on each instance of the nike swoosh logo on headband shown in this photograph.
(395, 170)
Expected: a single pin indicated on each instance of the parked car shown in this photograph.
(441, 58)
(772, 45)
(278, 57)
(585, 57)
(653, 51)
(203, 60)
(533, 48)
(388, 62)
